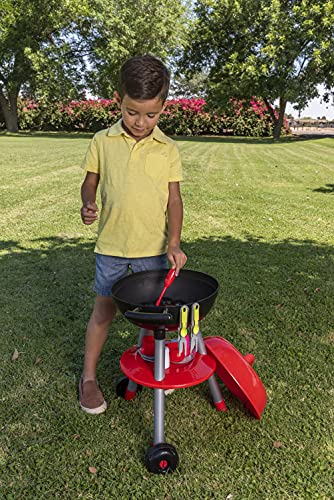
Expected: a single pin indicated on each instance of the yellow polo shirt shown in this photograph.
(134, 179)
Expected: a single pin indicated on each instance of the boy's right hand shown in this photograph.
(89, 212)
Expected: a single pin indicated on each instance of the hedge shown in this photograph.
(185, 117)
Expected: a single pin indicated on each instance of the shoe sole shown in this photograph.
(94, 411)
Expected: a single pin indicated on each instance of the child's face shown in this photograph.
(139, 117)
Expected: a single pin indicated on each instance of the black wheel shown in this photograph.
(162, 459)
(122, 385)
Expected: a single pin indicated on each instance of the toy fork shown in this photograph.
(183, 331)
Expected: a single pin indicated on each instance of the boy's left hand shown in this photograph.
(176, 257)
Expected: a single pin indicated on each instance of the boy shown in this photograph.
(139, 170)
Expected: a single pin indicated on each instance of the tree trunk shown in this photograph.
(9, 110)
(277, 121)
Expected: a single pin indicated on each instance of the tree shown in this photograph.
(272, 49)
(195, 86)
(60, 48)
(39, 50)
(125, 28)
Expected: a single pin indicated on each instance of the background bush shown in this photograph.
(185, 117)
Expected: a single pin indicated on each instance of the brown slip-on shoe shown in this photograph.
(91, 397)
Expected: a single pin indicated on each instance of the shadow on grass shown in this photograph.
(269, 294)
(328, 189)
(275, 300)
(290, 139)
(207, 138)
(51, 135)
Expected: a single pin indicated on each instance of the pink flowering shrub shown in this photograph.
(252, 118)
(190, 117)
(187, 117)
(86, 115)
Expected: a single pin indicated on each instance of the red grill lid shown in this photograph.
(236, 372)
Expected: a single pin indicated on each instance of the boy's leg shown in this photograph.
(97, 332)
(91, 397)
(108, 270)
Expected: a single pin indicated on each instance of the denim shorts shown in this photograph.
(110, 269)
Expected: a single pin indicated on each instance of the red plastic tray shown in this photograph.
(176, 376)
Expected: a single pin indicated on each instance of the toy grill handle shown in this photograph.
(149, 318)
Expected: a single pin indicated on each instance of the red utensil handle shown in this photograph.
(160, 296)
(170, 277)
(168, 281)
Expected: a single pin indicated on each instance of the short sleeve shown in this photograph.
(175, 170)
(91, 161)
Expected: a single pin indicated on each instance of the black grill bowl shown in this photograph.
(136, 294)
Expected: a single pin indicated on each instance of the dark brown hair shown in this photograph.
(144, 77)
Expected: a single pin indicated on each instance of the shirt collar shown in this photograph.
(117, 129)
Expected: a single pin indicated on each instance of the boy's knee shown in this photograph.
(101, 321)
(104, 311)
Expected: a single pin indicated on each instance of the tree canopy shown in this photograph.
(124, 28)
(273, 49)
(61, 48)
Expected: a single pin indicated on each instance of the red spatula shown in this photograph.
(168, 281)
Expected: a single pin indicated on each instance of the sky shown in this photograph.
(314, 109)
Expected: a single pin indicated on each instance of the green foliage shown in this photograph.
(181, 117)
(55, 48)
(39, 51)
(125, 28)
(38, 46)
(269, 48)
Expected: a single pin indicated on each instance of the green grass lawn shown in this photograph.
(259, 216)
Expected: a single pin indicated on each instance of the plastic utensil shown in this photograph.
(168, 281)
(183, 330)
(194, 327)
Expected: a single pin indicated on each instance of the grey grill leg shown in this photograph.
(216, 394)
(159, 360)
(201, 345)
(159, 416)
(215, 389)
(159, 394)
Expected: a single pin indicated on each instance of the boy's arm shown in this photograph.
(89, 208)
(175, 217)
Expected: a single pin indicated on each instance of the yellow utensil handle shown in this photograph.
(195, 322)
(184, 321)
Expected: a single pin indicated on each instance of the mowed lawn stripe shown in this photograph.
(276, 182)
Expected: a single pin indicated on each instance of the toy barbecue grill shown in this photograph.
(189, 360)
